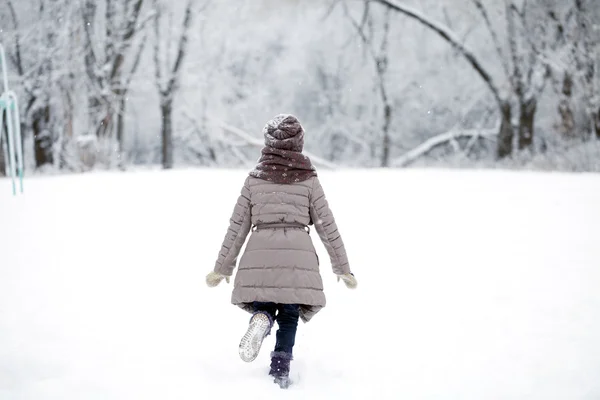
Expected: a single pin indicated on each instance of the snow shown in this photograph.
(471, 285)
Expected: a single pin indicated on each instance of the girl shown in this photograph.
(278, 277)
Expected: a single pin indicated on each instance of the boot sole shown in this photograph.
(252, 340)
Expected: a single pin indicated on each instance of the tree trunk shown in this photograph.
(597, 122)
(526, 121)
(104, 123)
(505, 136)
(120, 131)
(67, 140)
(567, 126)
(167, 91)
(385, 160)
(67, 135)
(166, 109)
(42, 136)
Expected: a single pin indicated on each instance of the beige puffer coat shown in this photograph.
(280, 263)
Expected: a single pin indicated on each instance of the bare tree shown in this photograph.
(506, 133)
(565, 107)
(167, 76)
(529, 72)
(562, 75)
(585, 50)
(36, 75)
(575, 64)
(106, 53)
(380, 57)
(527, 85)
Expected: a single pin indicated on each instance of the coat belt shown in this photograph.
(281, 225)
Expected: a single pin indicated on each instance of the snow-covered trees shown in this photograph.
(167, 75)
(108, 39)
(575, 64)
(72, 67)
(378, 51)
(376, 83)
(35, 51)
(527, 36)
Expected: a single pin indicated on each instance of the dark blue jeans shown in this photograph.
(286, 316)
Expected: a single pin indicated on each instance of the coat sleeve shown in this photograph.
(327, 229)
(239, 226)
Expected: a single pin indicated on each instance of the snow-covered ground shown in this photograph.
(472, 285)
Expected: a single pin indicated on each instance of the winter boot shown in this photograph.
(280, 368)
(259, 327)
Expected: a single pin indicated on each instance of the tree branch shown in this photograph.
(451, 38)
(132, 20)
(517, 76)
(18, 59)
(330, 9)
(126, 38)
(386, 30)
(157, 66)
(360, 28)
(183, 41)
(136, 63)
(520, 13)
(109, 21)
(439, 140)
(488, 23)
(88, 13)
(259, 143)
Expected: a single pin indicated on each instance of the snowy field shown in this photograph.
(472, 285)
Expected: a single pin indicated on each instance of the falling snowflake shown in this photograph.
(284, 175)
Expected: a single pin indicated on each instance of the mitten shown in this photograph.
(349, 280)
(214, 278)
